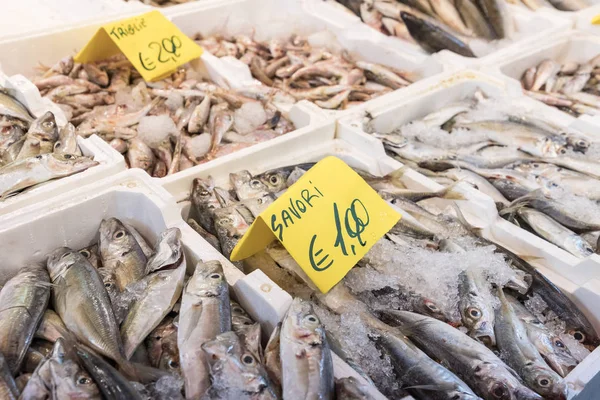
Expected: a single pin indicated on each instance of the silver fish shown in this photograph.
(162, 346)
(8, 386)
(204, 314)
(40, 137)
(52, 328)
(246, 329)
(12, 107)
(475, 306)
(23, 300)
(307, 367)
(67, 141)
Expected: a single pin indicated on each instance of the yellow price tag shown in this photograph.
(153, 44)
(596, 20)
(327, 221)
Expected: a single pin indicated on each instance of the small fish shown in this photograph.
(40, 137)
(475, 307)
(272, 358)
(11, 107)
(23, 300)
(67, 141)
(306, 364)
(204, 314)
(204, 202)
(246, 329)
(162, 347)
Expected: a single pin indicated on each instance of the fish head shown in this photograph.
(499, 383)
(560, 359)
(544, 381)
(69, 163)
(44, 128)
(236, 367)
(246, 186)
(109, 278)
(212, 282)
(230, 221)
(435, 310)
(203, 192)
(275, 181)
(70, 380)
(66, 133)
(115, 238)
(304, 324)
(578, 144)
(60, 260)
(577, 245)
(91, 253)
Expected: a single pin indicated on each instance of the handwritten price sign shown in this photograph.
(327, 221)
(151, 42)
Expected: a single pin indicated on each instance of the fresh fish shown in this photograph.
(91, 253)
(167, 251)
(23, 300)
(110, 382)
(478, 366)
(205, 202)
(432, 38)
(474, 19)
(67, 141)
(162, 346)
(204, 314)
(499, 16)
(235, 371)
(52, 328)
(350, 388)
(306, 364)
(555, 233)
(272, 358)
(247, 330)
(40, 137)
(140, 155)
(209, 237)
(8, 386)
(522, 355)
(11, 107)
(419, 374)
(39, 169)
(551, 347)
(162, 290)
(276, 180)
(246, 186)
(230, 225)
(121, 253)
(475, 306)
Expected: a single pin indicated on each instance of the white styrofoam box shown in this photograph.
(26, 16)
(579, 278)
(289, 17)
(73, 219)
(583, 19)
(572, 45)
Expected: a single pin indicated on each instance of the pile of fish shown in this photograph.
(166, 126)
(429, 279)
(33, 150)
(539, 175)
(332, 81)
(570, 87)
(120, 320)
(163, 3)
(437, 24)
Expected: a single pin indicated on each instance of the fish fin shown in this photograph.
(450, 193)
(397, 175)
(529, 258)
(461, 218)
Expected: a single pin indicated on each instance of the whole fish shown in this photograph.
(246, 329)
(555, 233)
(23, 300)
(204, 202)
(40, 137)
(247, 186)
(551, 347)
(110, 382)
(276, 180)
(306, 364)
(475, 307)
(478, 366)
(39, 169)
(415, 370)
(204, 314)
(140, 155)
(161, 292)
(432, 38)
(235, 371)
(121, 253)
(81, 301)
(60, 377)
(8, 386)
(522, 355)
(67, 141)
(162, 346)
(11, 107)
(230, 224)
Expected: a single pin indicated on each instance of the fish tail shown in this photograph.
(397, 175)
(461, 218)
(451, 192)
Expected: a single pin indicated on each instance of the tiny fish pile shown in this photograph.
(539, 175)
(33, 150)
(570, 87)
(161, 127)
(309, 72)
(120, 320)
(513, 333)
(437, 25)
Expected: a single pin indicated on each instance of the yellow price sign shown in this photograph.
(596, 20)
(327, 221)
(153, 44)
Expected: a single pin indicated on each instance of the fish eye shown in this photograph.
(536, 165)
(562, 151)
(237, 309)
(157, 337)
(57, 145)
(173, 364)
(215, 276)
(559, 343)
(225, 221)
(119, 234)
(68, 156)
(274, 179)
(48, 124)
(248, 359)
(543, 381)
(204, 192)
(432, 307)
(474, 312)
(64, 255)
(500, 392)
(85, 253)
(248, 323)
(580, 337)
(255, 183)
(84, 380)
(108, 285)
(311, 320)
(39, 157)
